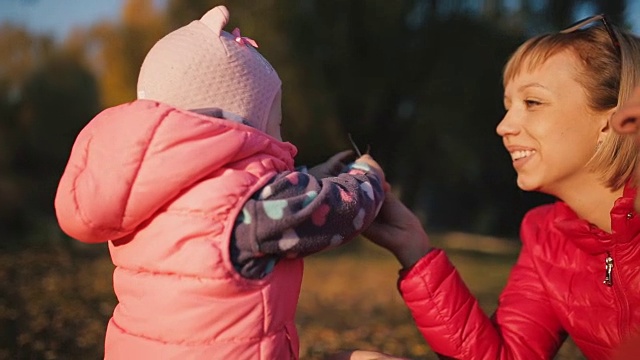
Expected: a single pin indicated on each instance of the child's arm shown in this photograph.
(297, 214)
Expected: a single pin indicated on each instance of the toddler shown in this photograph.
(206, 218)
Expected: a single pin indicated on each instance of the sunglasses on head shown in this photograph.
(591, 19)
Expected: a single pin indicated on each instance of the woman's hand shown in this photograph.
(398, 230)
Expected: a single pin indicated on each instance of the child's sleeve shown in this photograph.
(296, 215)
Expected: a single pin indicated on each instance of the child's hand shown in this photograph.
(332, 167)
(375, 167)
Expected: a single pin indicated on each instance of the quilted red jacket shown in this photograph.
(558, 287)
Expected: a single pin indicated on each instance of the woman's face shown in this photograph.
(548, 128)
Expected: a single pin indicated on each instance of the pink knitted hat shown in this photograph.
(200, 66)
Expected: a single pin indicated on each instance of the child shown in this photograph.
(206, 219)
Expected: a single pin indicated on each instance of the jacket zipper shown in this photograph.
(618, 293)
(608, 266)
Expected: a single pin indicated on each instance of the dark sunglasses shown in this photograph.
(591, 19)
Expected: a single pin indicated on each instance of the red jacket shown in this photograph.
(555, 289)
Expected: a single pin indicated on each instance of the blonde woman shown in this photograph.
(578, 273)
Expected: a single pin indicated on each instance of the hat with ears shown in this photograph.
(200, 67)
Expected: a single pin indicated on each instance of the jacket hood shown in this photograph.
(132, 159)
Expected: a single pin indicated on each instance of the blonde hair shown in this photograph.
(608, 75)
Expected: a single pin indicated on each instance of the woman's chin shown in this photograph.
(525, 185)
(530, 186)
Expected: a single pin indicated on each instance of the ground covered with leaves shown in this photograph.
(55, 302)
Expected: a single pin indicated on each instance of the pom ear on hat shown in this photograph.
(216, 19)
(201, 66)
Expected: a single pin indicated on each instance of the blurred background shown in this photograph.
(419, 81)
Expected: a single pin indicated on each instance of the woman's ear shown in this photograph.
(605, 125)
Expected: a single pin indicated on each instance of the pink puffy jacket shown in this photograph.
(163, 187)
(555, 289)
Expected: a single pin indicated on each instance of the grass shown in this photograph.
(54, 303)
(358, 288)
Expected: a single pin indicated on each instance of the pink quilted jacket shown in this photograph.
(163, 187)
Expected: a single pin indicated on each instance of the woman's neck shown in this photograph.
(591, 201)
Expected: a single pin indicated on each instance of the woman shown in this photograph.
(578, 273)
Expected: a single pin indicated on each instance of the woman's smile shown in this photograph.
(521, 157)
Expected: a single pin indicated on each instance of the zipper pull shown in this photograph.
(608, 266)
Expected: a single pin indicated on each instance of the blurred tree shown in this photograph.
(181, 13)
(58, 99)
(424, 92)
(20, 53)
(560, 12)
(286, 33)
(118, 49)
(417, 80)
(614, 10)
(46, 96)
(414, 80)
(453, 167)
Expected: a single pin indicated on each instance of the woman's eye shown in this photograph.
(532, 103)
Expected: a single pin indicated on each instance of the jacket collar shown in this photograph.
(625, 225)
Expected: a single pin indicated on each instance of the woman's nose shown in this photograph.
(507, 126)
